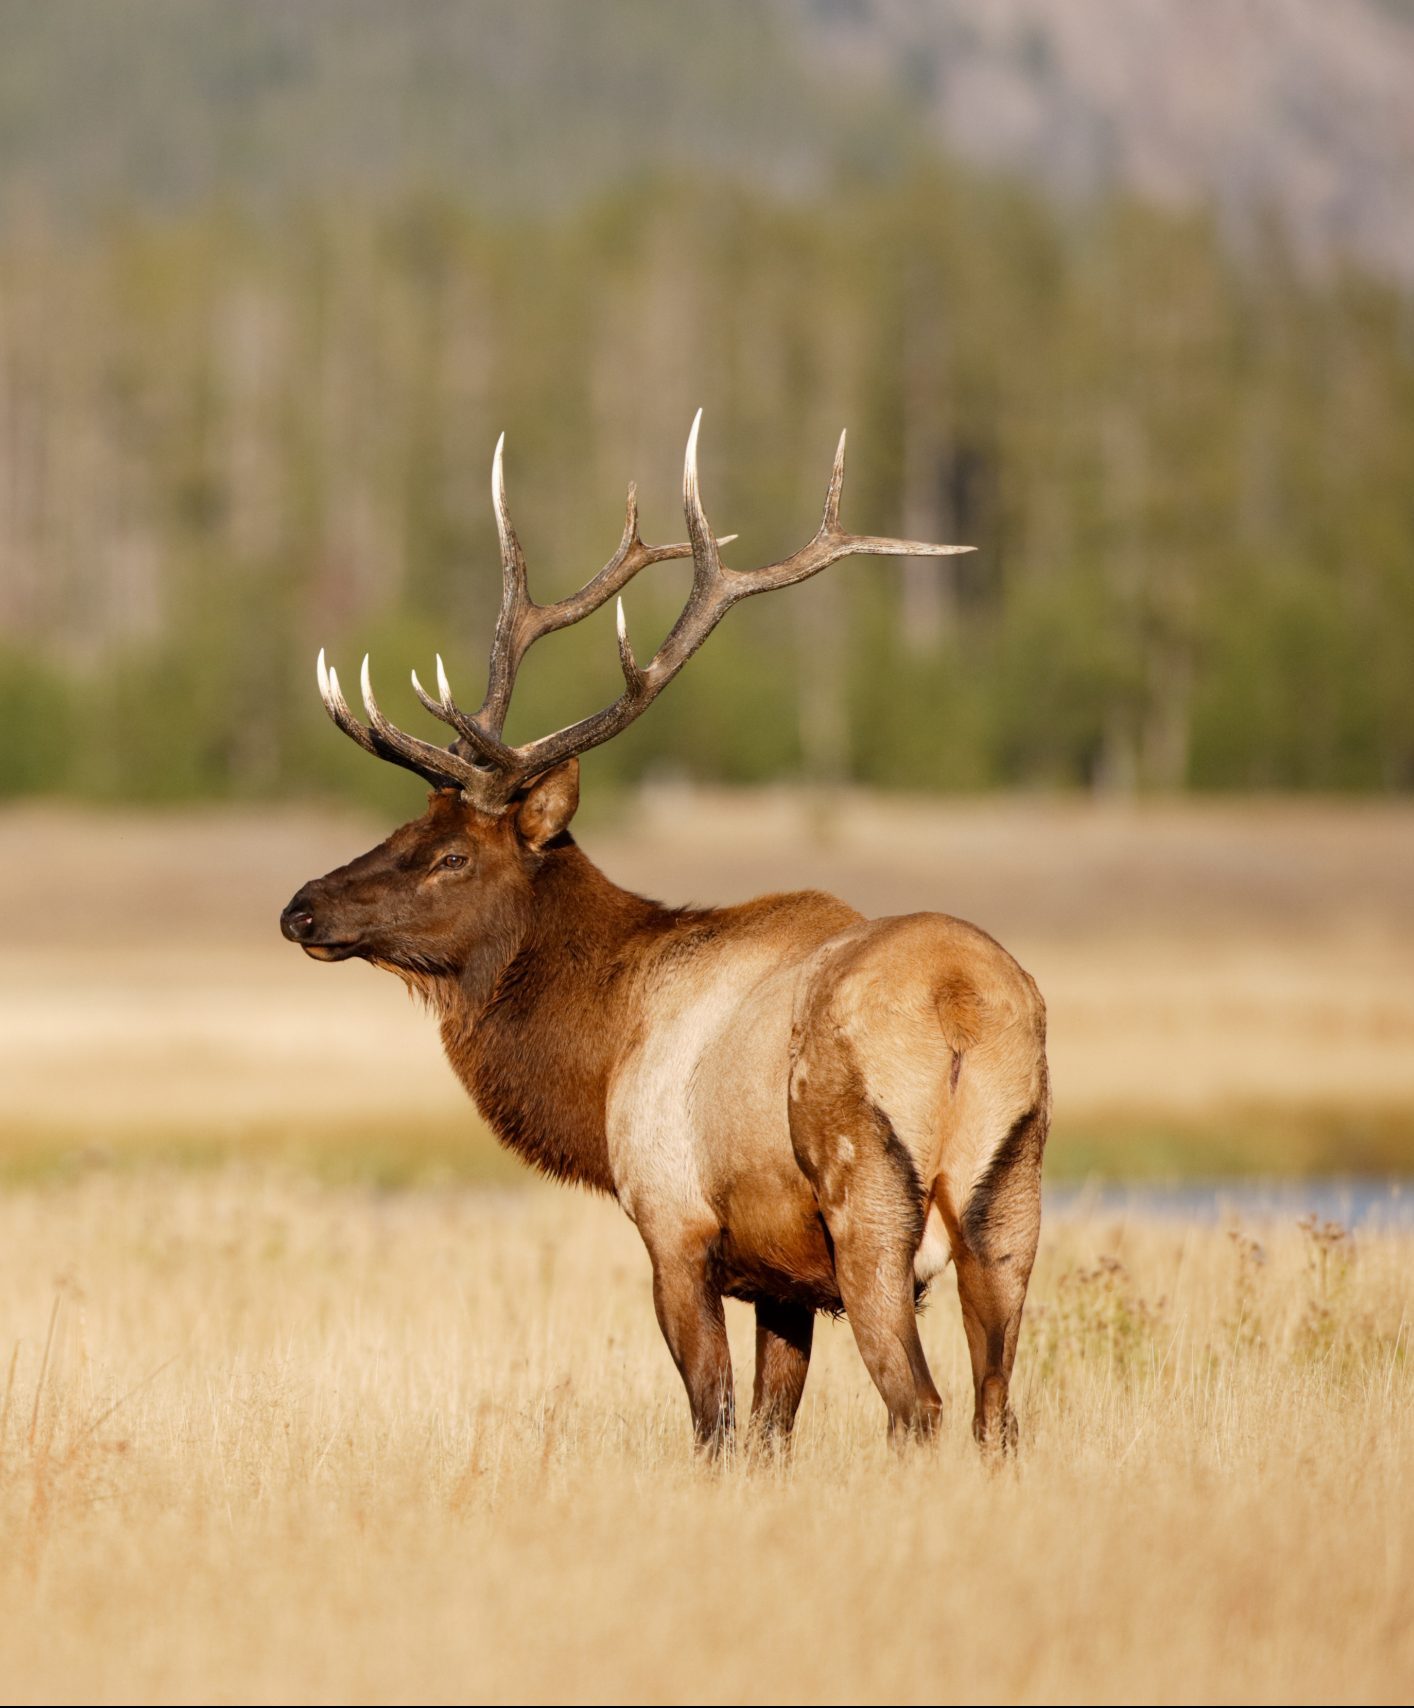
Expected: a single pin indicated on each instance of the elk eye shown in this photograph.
(452, 861)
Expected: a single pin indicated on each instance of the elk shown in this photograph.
(796, 1106)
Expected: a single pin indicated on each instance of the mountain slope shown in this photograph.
(1296, 106)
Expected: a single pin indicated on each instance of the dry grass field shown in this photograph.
(270, 1441)
(272, 1431)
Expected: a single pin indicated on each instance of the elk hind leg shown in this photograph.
(783, 1336)
(873, 1210)
(996, 1248)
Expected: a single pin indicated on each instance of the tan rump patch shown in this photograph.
(962, 1013)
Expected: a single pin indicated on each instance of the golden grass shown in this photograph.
(265, 1440)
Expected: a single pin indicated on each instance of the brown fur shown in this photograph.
(783, 1096)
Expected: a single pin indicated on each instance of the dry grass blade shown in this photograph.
(95, 1424)
(44, 1368)
(9, 1395)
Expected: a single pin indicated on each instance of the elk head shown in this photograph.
(454, 888)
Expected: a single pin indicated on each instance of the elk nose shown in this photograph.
(297, 921)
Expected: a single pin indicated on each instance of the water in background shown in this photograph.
(1369, 1204)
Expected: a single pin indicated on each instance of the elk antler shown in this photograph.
(478, 761)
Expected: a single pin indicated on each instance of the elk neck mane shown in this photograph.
(533, 1034)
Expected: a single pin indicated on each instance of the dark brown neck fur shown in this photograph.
(535, 1042)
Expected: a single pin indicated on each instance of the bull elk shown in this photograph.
(796, 1106)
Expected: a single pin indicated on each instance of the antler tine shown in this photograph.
(514, 577)
(633, 676)
(830, 521)
(631, 537)
(833, 542)
(510, 641)
(485, 749)
(707, 563)
(434, 706)
(435, 765)
(438, 765)
(338, 707)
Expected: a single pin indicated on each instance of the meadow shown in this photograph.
(266, 1440)
(306, 1394)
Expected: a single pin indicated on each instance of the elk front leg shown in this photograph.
(689, 1307)
(783, 1336)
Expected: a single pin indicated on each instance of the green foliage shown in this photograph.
(35, 716)
(232, 439)
(1257, 1143)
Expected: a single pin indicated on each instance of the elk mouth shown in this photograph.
(330, 951)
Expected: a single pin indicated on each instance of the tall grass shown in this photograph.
(267, 1439)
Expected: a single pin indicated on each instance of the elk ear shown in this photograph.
(548, 805)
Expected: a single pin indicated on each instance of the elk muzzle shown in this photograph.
(300, 922)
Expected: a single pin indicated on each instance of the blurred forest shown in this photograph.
(233, 430)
